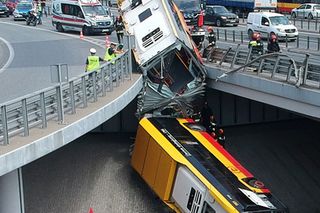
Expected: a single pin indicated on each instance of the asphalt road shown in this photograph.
(94, 171)
(29, 52)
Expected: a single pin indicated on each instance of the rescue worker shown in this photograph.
(93, 61)
(273, 45)
(110, 53)
(206, 115)
(256, 44)
(119, 26)
(211, 37)
(39, 10)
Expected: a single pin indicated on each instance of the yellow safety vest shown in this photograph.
(108, 57)
(253, 43)
(93, 63)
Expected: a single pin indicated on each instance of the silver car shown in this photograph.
(309, 11)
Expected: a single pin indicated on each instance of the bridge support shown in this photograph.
(11, 192)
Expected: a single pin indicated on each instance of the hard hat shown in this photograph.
(210, 29)
(92, 50)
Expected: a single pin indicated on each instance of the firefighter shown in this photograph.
(211, 37)
(256, 44)
(273, 45)
(93, 61)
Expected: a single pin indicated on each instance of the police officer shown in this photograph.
(110, 53)
(93, 61)
(256, 44)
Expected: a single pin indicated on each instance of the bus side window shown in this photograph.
(207, 209)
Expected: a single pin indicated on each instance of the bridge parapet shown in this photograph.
(18, 116)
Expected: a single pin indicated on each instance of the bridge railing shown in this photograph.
(298, 69)
(36, 109)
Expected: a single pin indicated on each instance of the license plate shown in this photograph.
(105, 30)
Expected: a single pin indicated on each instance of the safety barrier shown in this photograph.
(36, 109)
(301, 42)
(295, 69)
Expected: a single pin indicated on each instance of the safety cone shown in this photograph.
(91, 210)
(81, 35)
(107, 41)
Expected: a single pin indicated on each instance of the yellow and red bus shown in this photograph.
(192, 173)
(286, 6)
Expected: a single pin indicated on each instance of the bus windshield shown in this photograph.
(95, 10)
(188, 5)
(279, 20)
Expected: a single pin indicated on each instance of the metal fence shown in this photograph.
(36, 109)
(299, 70)
(302, 42)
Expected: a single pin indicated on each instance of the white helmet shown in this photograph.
(92, 50)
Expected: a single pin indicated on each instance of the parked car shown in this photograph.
(220, 16)
(4, 11)
(21, 11)
(267, 23)
(309, 11)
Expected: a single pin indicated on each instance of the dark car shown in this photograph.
(4, 11)
(220, 16)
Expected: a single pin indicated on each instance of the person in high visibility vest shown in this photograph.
(110, 53)
(93, 61)
(39, 9)
(256, 44)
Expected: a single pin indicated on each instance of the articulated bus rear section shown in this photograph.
(190, 172)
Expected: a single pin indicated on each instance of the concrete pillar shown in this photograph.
(11, 192)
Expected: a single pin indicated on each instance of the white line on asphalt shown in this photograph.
(11, 54)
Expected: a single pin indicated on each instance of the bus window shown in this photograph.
(207, 209)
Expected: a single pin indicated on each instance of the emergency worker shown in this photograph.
(93, 61)
(110, 53)
(39, 10)
(211, 36)
(119, 26)
(273, 45)
(256, 44)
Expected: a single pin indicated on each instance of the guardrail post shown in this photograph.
(72, 101)
(306, 65)
(110, 76)
(301, 23)
(298, 41)
(4, 125)
(241, 36)
(235, 56)
(25, 117)
(218, 34)
(260, 66)
(225, 35)
(248, 58)
(43, 110)
(308, 42)
(94, 85)
(60, 104)
(129, 56)
(286, 41)
(308, 24)
(294, 21)
(84, 91)
(316, 25)
(318, 44)
(233, 36)
(103, 80)
(275, 67)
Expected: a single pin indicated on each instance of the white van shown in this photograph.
(88, 16)
(266, 23)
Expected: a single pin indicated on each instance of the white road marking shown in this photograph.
(11, 54)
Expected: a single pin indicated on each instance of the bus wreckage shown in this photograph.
(184, 165)
(166, 55)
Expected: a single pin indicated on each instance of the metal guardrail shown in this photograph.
(36, 109)
(302, 41)
(277, 66)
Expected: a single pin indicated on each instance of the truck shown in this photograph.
(243, 7)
